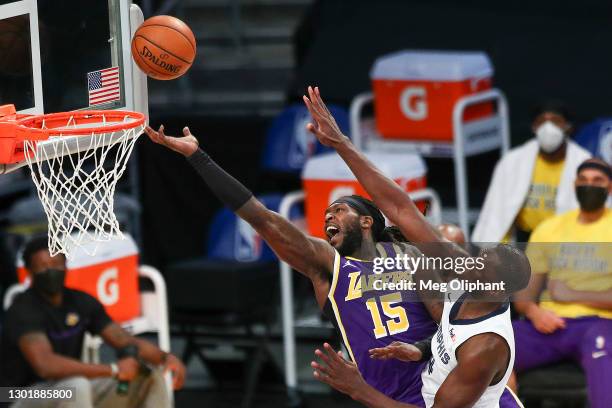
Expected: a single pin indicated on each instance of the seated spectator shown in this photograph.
(532, 182)
(573, 317)
(42, 341)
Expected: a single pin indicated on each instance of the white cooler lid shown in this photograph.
(394, 165)
(432, 65)
(115, 248)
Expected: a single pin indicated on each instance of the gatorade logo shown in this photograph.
(413, 103)
(108, 287)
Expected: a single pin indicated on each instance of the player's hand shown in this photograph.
(177, 368)
(128, 369)
(560, 292)
(545, 321)
(324, 127)
(336, 372)
(398, 350)
(186, 145)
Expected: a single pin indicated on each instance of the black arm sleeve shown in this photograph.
(425, 347)
(229, 190)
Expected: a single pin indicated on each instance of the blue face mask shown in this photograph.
(49, 282)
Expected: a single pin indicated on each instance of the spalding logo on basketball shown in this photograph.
(164, 47)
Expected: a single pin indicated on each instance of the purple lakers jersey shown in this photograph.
(376, 319)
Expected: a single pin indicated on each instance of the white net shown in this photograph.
(76, 177)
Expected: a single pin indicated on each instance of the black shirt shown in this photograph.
(64, 325)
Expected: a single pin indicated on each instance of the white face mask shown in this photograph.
(549, 136)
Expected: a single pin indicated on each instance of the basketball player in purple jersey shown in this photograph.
(481, 368)
(353, 226)
(355, 229)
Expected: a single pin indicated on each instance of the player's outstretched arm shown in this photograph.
(481, 360)
(311, 256)
(385, 193)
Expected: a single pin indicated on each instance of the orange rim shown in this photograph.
(115, 121)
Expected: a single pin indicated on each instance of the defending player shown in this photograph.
(473, 350)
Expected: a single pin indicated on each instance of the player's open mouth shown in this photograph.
(331, 231)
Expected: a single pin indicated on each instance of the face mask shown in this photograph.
(49, 282)
(549, 136)
(591, 198)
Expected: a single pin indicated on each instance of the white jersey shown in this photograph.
(450, 335)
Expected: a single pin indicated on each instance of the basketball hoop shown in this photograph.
(76, 159)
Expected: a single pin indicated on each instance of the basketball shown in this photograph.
(164, 47)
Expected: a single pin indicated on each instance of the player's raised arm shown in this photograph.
(311, 256)
(385, 193)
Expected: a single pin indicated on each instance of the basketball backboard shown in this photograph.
(56, 54)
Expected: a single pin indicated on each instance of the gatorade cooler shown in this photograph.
(111, 276)
(415, 92)
(326, 178)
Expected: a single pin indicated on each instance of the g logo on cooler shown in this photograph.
(413, 103)
(107, 287)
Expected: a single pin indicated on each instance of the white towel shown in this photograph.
(510, 185)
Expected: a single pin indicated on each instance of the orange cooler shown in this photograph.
(326, 178)
(111, 276)
(415, 92)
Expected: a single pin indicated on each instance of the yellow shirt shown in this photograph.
(540, 201)
(580, 255)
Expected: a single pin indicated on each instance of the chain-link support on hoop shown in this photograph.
(76, 177)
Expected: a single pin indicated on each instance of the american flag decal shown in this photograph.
(103, 86)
